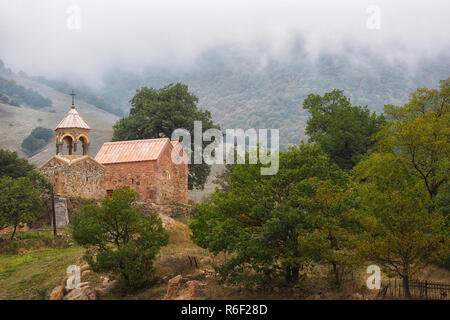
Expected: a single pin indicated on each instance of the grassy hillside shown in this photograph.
(16, 123)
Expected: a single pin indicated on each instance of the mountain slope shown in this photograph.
(244, 92)
(16, 123)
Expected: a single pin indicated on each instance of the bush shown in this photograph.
(120, 239)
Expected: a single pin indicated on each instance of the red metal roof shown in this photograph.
(131, 151)
(73, 120)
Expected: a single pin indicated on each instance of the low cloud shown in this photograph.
(40, 37)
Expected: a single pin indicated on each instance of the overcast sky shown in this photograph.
(44, 37)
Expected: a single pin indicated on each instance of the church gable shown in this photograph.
(73, 162)
(81, 177)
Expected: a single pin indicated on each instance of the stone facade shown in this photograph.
(75, 176)
(159, 181)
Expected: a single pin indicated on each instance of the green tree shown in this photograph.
(120, 238)
(20, 202)
(344, 131)
(259, 222)
(157, 113)
(333, 229)
(13, 166)
(401, 233)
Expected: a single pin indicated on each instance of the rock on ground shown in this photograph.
(57, 293)
(85, 293)
(179, 288)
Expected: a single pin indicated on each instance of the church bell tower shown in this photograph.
(73, 131)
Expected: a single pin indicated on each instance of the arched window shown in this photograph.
(68, 140)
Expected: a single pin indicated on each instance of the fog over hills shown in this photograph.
(241, 93)
(250, 63)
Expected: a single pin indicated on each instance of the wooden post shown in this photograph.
(426, 289)
(395, 287)
(53, 213)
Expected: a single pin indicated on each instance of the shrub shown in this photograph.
(120, 239)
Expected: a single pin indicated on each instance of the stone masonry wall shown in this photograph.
(137, 175)
(158, 181)
(83, 179)
(173, 179)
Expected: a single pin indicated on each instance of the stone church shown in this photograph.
(144, 165)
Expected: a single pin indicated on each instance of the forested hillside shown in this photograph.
(257, 91)
(268, 93)
(19, 95)
(83, 93)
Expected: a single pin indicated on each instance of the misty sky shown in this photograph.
(37, 36)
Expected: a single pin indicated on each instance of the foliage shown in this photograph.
(19, 202)
(333, 227)
(261, 220)
(13, 166)
(157, 113)
(122, 240)
(344, 131)
(403, 235)
(37, 139)
(420, 135)
(21, 95)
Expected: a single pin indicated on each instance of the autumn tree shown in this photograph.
(402, 235)
(419, 134)
(405, 185)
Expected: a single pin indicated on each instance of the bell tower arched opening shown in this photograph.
(84, 144)
(69, 141)
(72, 132)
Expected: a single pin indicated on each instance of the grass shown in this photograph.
(32, 274)
(41, 265)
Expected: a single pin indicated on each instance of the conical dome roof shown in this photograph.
(73, 120)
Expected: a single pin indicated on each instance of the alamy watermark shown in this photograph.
(374, 280)
(373, 21)
(74, 280)
(73, 21)
(223, 152)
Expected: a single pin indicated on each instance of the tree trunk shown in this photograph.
(288, 275)
(295, 271)
(14, 232)
(406, 287)
(337, 280)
